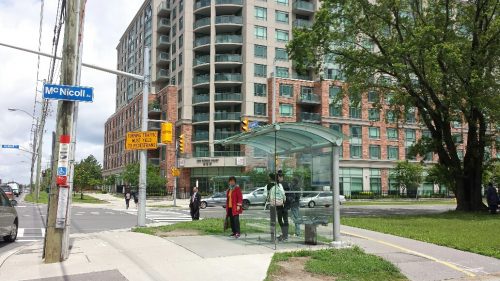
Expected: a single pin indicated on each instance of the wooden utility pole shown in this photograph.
(64, 132)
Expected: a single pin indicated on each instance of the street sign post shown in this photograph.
(15, 146)
(141, 140)
(69, 93)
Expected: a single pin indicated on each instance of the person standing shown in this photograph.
(492, 198)
(282, 211)
(234, 203)
(277, 198)
(127, 197)
(136, 198)
(194, 204)
(295, 204)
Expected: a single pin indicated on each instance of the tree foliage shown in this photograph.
(408, 175)
(154, 179)
(438, 56)
(87, 174)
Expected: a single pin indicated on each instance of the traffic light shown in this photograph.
(181, 143)
(244, 125)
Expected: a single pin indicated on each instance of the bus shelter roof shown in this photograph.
(287, 138)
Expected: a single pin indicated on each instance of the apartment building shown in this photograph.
(211, 66)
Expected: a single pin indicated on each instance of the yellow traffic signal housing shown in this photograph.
(244, 125)
(166, 132)
(181, 143)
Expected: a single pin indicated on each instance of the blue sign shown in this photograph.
(62, 171)
(254, 124)
(69, 93)
(10, 146)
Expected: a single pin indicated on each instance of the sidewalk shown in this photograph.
(116, 203)
(421, 261)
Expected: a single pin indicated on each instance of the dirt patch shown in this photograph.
(178, 232)
(293, 270)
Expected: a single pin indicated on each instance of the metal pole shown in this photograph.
(175, 178)
(39, 146)
(336, 194)
(33, 158)
(273, 113)
(141, 212)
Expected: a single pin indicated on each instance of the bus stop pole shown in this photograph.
(336, 194)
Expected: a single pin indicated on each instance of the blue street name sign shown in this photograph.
(254, 124)
(69, 93)
(10, 146)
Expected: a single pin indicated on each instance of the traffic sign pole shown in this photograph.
(141, 212)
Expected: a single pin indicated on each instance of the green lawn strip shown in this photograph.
(396, 202)
(44, 198)
(344, 265)
(209, 226)
(463, 231)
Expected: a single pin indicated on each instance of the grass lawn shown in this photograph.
(401, 202)
(44, 198)
(343, 265)
(472, 232)
(210, 226)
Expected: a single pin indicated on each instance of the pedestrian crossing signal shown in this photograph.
(244, 125)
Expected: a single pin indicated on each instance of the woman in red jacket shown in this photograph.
(234, 201)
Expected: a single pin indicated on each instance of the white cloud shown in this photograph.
(105, 22)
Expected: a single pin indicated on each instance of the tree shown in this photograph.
(87, 174)
(154, 179)
(408, 176)
(438, 56)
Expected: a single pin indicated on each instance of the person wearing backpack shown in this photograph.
(277, 198)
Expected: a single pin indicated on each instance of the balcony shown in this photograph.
(201, 79)
(309, 98)
(204, 22)
(302, 23)
(163, 59)
(162, 75)
(228, 39)
(164, 8)
(220, 135)
(233, 116)
(200, 136)
(163, 25)
(163, 42)
(303, 7)
(228, 97)
(228, 78)
(224, 58)
(310, 117)
(201, 60)
(202, 6)
(201, 99)
(228, 153)
(202, 41)
(229, 2)
(201, 117)
(154, 107)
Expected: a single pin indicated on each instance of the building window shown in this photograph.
(181, 23)
(374, 132)
(335, 109)
(356, 132)
(174, 64)
(260, 32)
(260, 109)
(282, 72)
(286, 110)
(407, 154)
(355, 112)
(334, 92)
(260, 90)
(374, 151)
(260, 70)
(374, 114)
(410, 116)
(336, 127)
(355, 151)
(390, 116)
(180, 59)
(179, 78)
(282, 17)
(281, 54)
(181, 40)
(260, 51)
(282, 2)
(260, 13)
(373, 96)
(281, 35)
(392, 152)
(410, 135)
(392, 133)
(286, 90)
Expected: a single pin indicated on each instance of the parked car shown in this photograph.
(8, 191)
(312, 200)
(216, 199)
(8, 218)
(15, 188)
(254, 197)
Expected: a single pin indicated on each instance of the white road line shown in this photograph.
(94, 213)
(20, 232)
(43, 231)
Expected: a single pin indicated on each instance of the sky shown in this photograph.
(105, 22)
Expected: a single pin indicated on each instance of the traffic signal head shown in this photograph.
(181, 143)
(244, 125)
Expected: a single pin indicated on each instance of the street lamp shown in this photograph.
(34, 146)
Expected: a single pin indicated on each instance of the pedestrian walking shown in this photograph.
(295, 204)
(492, 198)
(127, 198)
(234, 203)
(136, 198)
(194, 204)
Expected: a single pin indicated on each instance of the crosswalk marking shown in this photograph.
(30, 234)
(164, 216)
